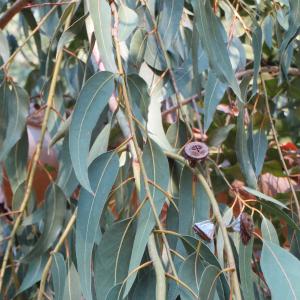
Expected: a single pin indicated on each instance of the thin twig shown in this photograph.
(279, 149)
(35, 161)
(55, 250)
(161, 284)
(219, 219)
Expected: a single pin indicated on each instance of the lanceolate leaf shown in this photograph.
(72, 285)
(137, 47)
(242, 151)
(66, 178)
(128, 20)
(269, 231)
(281, 271)
(208, 283)
(245, 268)
(16, 162)
(91, 102)
(112, 257)
(257, 50)
(55, 210)
(33, 274)
(214, 92)
(102, 173)
(101, 15)
(139, 95)
(13, 113)
(257, 151)
(169, 20)
(193, 203)
(157, 167)
(59, 274)
(209, 28)
(294, 26)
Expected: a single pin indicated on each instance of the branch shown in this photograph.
(279, 149)
(239, 75)
(11, 12)
(218, 216)
(35, 161)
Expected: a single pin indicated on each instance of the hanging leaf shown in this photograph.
(214, 92)
(242, 151)
(16, 162)
(269, 231)
(13, 113)
(208, 282)
(157, 168)
(101, 16)
(257, 150)
(264, 197)
(55, 210)
(102, 173)
(128, 20)
(138, 91)
(138, 47)
(245, 268)
(193, 203)
(90, 103)
(66, 178)
(257, 41)
(59, 274)
(72, 285)
(211, 37)
(169, 21)
(279, 266)
(293, 30)
(112, 257)
(33, 274)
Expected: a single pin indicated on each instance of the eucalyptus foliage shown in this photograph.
(119, 88)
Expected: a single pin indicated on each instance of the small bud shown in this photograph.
(246, 228)
(195, 151)
(205, 230)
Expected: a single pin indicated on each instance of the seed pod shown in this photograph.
(246, 228)
(195, 151)
(205, 230)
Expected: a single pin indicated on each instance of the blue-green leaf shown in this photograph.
(91, 102)
(55, 210)
(245, 267)
(59, 274)
(281, 271)
(208, 282)
(293, 29)
(257, 41)
(267, 27)
(268, 231)
(193, 203)
(214, 92)
(16, 162)
(101, 15)
(102, 173)
(13, 113)
(112, 257)
(66, 178)
(242, 151)
(157, 167)
(263, 196)
(169, 20)
(258, 151)
(139, 95)
(72, 285)
(128, 20)
(33, 274)
(137, 47)
(212, 40)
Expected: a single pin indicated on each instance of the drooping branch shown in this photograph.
(12, 11)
